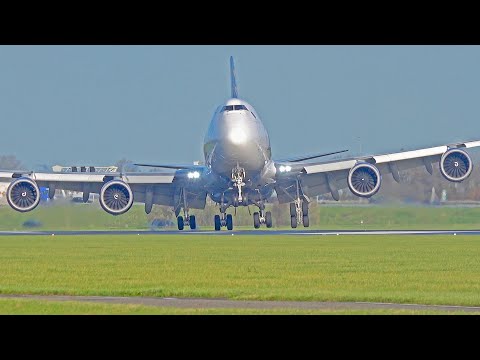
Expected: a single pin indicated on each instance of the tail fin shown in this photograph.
(233, 79)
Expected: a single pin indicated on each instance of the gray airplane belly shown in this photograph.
(226, 156)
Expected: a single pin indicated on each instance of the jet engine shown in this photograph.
(116, 197)
(456, 165)
(23, 194)
(364, 180)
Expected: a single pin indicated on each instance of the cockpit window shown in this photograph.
(233, 107)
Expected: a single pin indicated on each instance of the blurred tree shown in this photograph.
(10, 162)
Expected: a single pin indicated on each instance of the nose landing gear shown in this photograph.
(238, 178)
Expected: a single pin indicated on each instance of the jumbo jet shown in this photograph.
(239, 171)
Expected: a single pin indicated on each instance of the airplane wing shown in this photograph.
(162, 188)
(363, 174)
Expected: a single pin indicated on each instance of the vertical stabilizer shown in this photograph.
(233, 79)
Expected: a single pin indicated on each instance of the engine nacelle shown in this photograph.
(456, 165)
(364, 180)
(116, 197)
(23, 194)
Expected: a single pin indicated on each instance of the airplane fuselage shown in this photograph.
(236, 137)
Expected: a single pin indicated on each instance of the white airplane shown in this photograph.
(238, 171)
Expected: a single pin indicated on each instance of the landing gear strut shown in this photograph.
(299, 210)
(238, 178)
(187, 219)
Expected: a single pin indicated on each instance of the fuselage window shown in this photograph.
(253, 114)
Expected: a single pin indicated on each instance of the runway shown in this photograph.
(243, 304)
(241, 232)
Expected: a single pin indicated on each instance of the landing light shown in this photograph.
(238, 136)
(193, 175)
(285, 168)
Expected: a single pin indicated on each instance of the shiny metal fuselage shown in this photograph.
(237, 138)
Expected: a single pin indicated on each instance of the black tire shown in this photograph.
(268, 219)
(306, 221)
(256, 220)
(217, 222)
(180, 223)
(229, 222)
(193, 222)
(293, 222)
(293, 210)
(305, 208)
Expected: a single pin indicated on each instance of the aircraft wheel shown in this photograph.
(268, 219)
(305, 208)
(193, 222)
(293, 222)
(256, 220)
(218, 224)
(306, 221)
(293, 210)
(180, 223)
(229, 222)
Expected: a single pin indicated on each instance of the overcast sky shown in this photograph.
(74, 105)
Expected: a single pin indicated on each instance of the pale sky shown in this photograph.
(92, 105)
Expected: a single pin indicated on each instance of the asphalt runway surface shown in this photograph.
(244, 232)
(242, 304)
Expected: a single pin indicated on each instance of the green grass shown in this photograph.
(402, 269)
(73, 217)
(92, 217)
(42, 307)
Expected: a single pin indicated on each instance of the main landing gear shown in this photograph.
(299, 210)
(187, 219)
(259, 218)
(299, 213)
(262, 217)
(223, 220)
(226, 220)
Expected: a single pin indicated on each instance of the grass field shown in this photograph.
(92, 217)
(38, 307)
(402, 269)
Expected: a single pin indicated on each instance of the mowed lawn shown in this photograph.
(403, 269)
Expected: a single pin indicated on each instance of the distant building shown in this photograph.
(83, 168)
